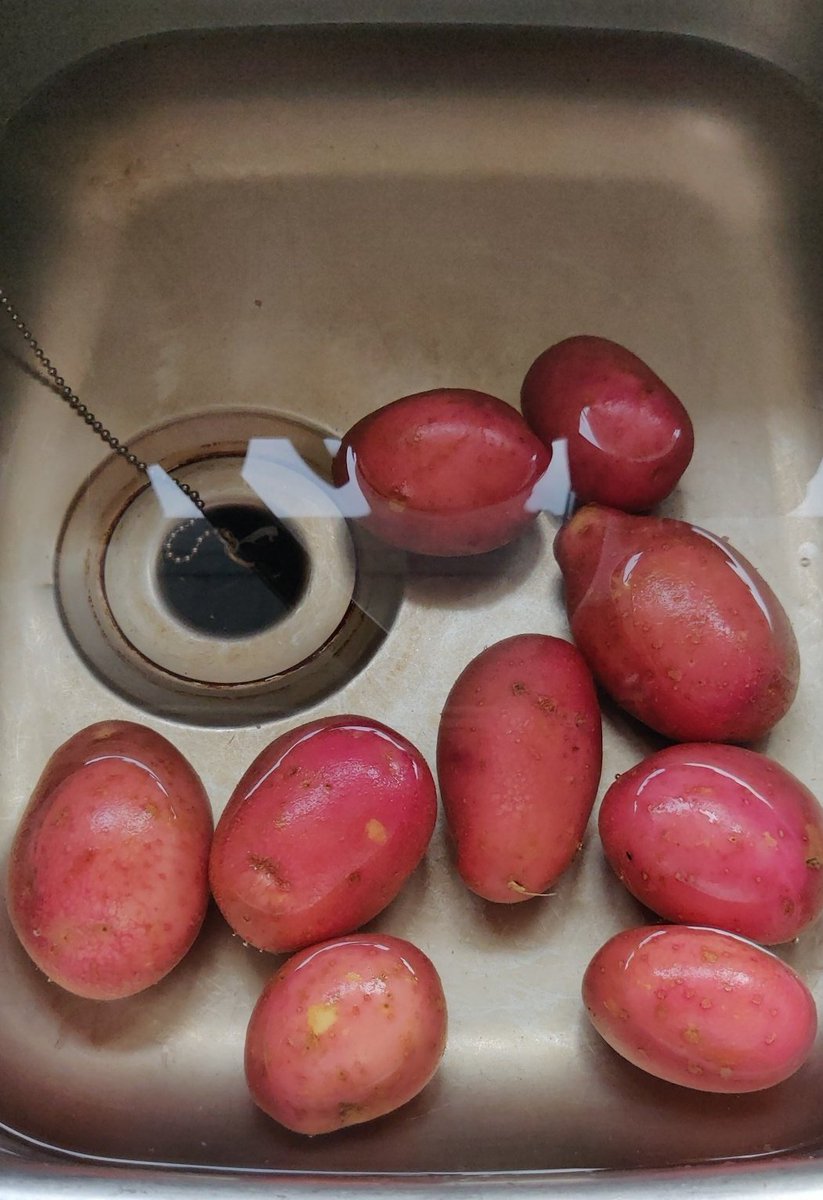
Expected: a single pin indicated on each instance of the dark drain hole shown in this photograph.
(232, 594)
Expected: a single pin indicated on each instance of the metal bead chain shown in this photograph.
(182, 559)
(231, 545)
(74, 402)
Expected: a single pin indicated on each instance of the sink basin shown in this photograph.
(266, 231)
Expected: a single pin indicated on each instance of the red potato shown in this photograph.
(701, 1008)
(446, 472)
(321, 832)
(718, 835)
(518, 758)
(107, 881)
(677, 626)
(345, 1032)
(629, 437)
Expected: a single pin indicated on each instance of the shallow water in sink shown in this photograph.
(311, 225)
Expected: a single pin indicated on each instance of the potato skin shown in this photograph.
(445, 472)
(717, 835)
(701, 1008)
(107, 884)
(629, 437)
(677, 626)
(321, 832)
(519, 753)
(345, 1032)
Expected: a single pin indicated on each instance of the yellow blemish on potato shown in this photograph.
(695, 1069)
(769, 840)
(376, 831)
(691, 1034)
(320, 1018)
(353, 977)
(397, 505)
(725, 1072)
(614, 1008)
(708, 955)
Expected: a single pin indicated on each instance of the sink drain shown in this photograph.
(280, 611)
(229, 594)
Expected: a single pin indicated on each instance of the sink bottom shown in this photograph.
(311, 224)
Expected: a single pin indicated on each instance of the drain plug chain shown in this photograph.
(74, 402)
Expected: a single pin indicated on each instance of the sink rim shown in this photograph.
(26, 1176)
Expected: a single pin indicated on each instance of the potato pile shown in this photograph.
(114, 860)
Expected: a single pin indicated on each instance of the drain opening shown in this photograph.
(224, 661)
(232, 595)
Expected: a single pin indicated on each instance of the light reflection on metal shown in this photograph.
(812, 503)
(173, 502)
(289, 487)
(553, 491)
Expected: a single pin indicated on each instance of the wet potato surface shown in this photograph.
(700, 1008)
(345, 1032)
(629, 437)
(446, 472)
(321, 832)
(718, 835)
(519, 751)
(677, 626)
(107, 881)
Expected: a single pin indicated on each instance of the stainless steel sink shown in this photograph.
(220, 233)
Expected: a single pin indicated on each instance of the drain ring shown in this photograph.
(112, 606)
